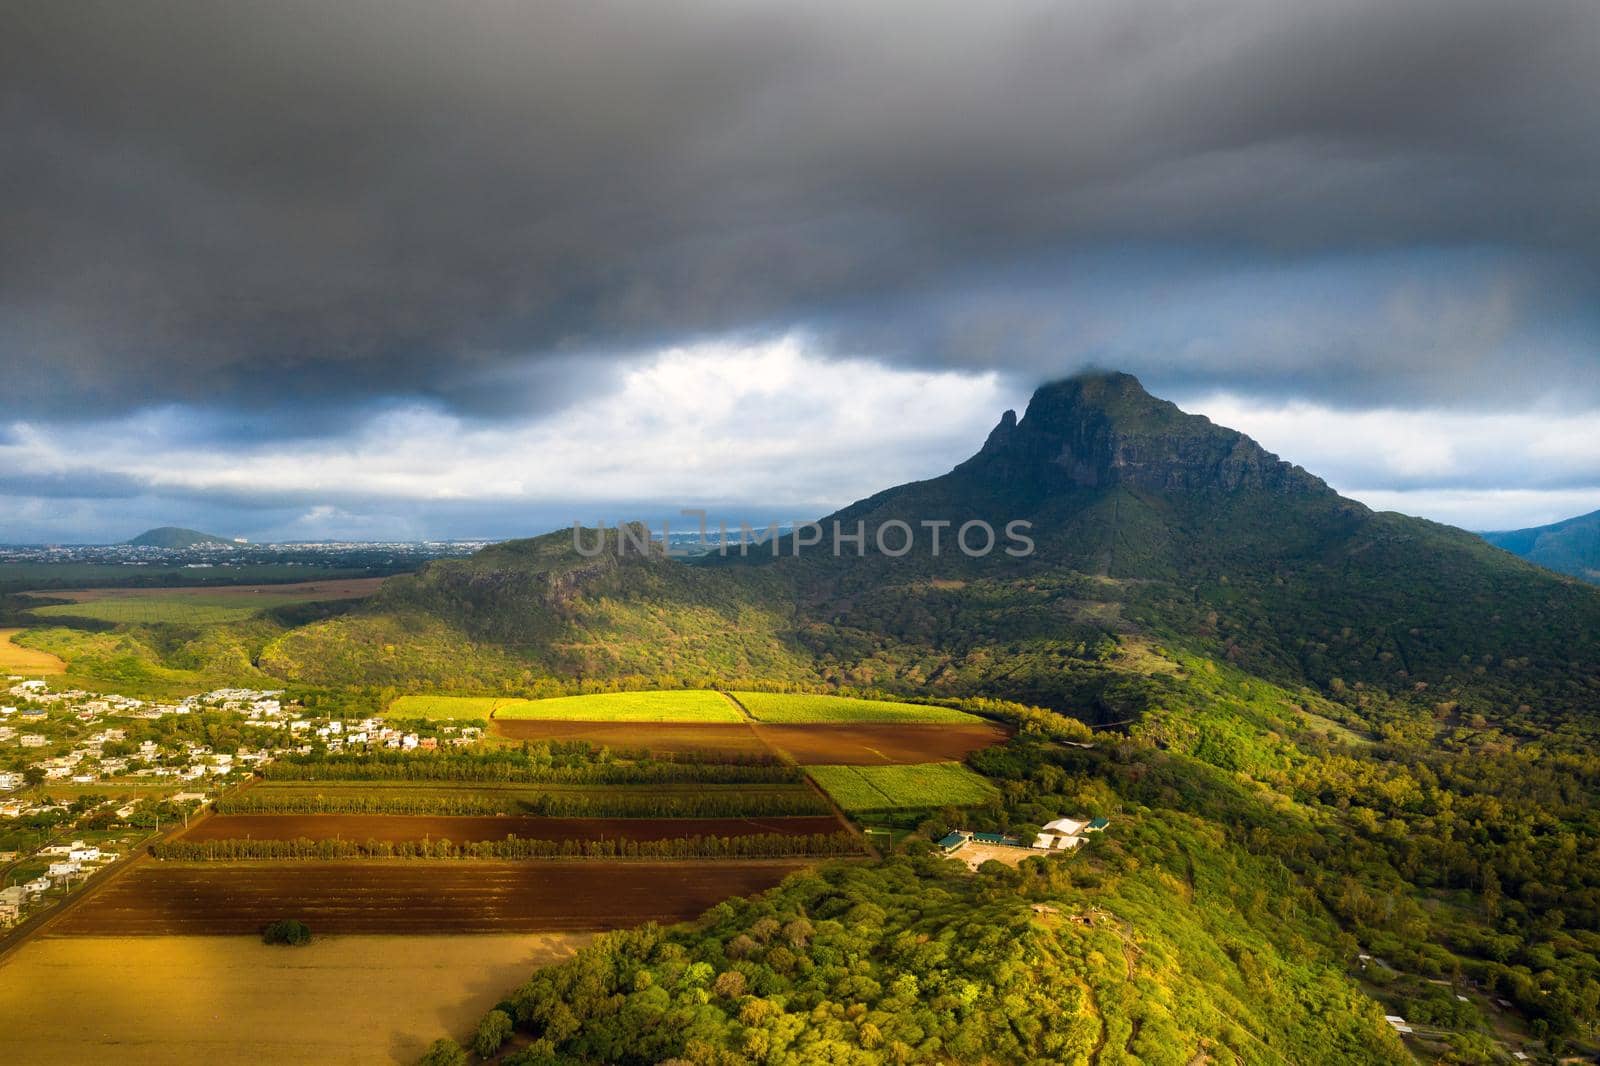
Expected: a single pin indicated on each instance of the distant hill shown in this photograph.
(175, 537)
(1571, 546)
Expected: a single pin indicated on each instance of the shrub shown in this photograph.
(444, 1052)
(492, 1032)
(290, 931)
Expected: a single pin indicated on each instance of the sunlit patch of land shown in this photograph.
(27, 662)
(197, 606)
(176, 1000)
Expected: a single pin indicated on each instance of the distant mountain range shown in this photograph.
(1571, 546)
(175, 537)
(1156, 533)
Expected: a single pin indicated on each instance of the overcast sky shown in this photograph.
(300, 270)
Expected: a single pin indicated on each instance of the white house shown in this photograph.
(9, 781)
(1064, 834)
(63, 869)
(87, 853)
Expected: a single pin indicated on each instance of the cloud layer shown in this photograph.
(249, 238)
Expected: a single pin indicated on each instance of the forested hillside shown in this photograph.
(1571, 546)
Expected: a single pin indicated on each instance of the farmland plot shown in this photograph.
(690, 705)
(168, 898)
(860, 789)
(786, 708)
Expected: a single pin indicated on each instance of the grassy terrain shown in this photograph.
(196, 606)
(693, 705)
(884, 788)
(182, 607)
(804, 709)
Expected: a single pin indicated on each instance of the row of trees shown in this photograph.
(752, 846)
(631, 804)
(510, 767)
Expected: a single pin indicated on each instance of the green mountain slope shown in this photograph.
(1571, 546)
(519, 613)
(175, 537)
(1155, 525)
(1157, 534)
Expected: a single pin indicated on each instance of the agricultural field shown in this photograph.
(860, 789)
(369, 896)
(15, 659)
(463, 830)
(878, 745)
(785, 708)
(688, 705)
(734, 738)
(197, 606)
(231, 1001)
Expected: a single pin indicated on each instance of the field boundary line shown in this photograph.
(738, 705)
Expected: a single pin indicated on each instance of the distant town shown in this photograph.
(86, 778)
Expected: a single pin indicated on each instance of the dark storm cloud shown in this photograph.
(295, 207)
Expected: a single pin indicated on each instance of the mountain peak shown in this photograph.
(175, 537)
(1102, 428)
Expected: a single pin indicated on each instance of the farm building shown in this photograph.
(1064, 834)
(953, 840)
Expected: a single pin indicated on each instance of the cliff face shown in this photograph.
(1101, 430)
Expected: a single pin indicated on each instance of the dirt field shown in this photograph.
(19, 660)
(657, 736)
(975, 854)
(858, 745)
(413, 897)
(144, 1001)
(463, 830)
(349, 588)
(867, 745)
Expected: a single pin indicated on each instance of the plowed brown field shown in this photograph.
(861, 745)
(160, 898)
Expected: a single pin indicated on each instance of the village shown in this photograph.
(86, 778)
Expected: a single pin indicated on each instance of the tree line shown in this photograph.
(642, 804)
(514, 767)
(751, 846)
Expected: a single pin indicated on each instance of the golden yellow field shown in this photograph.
(222, 1000)
(26, 661)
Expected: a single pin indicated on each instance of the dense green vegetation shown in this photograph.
(862, 789)
(809, 708)
(1189, 955)
(1571, 546)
